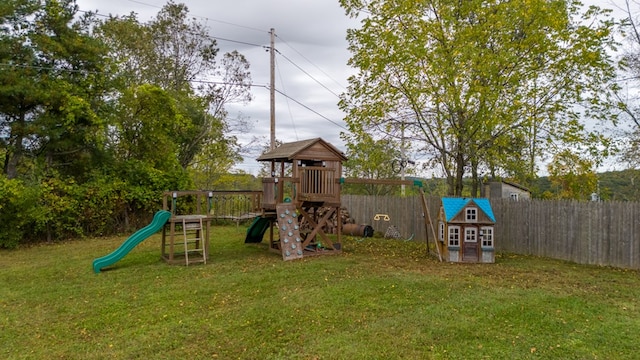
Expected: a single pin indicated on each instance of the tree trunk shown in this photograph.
(450, 185)
(475, 182)
(459, 174)
(126, 218)
(14, 156)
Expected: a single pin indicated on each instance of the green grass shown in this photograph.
(379, 299)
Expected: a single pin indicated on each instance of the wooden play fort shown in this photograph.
(297, 207)
(298, 199)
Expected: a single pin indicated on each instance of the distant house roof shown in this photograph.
(288, 151)
(518, 186)
(453, 206)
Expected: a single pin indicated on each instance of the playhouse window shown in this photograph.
(486, 234)
(441, 231)
(472, 214)
(470, 235)
(513, 196)
(454, 236)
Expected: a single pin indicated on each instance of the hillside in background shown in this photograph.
(614, 186)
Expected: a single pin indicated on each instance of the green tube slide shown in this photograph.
(256, 230)
(159, 219)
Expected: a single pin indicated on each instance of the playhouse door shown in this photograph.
(470, 245)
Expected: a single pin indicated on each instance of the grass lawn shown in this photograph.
(380, 299)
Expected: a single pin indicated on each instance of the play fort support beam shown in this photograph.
(416, 183)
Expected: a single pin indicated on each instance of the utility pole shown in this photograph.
(272, 89)
(403, 159)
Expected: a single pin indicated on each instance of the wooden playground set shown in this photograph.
(295, 207)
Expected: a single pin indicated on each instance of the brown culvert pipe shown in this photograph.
(357, 230)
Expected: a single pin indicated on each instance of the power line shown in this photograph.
(64, 69)
(310, 62)
(93, 13)
(309, 75)
(228, 40)
(293, 124)
(205, 18)
(227, 83)
(250, 44)
(206, 35)
(50, 68)
(310, 109)
(627, 78)
(236, 41)
(195, 81)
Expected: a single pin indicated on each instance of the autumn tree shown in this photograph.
(480, 86)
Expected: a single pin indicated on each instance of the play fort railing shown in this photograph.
(315, 184)
(229, 205)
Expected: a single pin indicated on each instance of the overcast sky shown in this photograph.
(311, 62)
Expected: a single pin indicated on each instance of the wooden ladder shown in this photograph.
(192, 232)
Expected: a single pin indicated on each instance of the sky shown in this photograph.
(311, 60)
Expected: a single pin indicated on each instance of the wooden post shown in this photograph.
(428, 223)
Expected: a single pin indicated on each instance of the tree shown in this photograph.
(147, 117)
(53, 83)
(371, 159)
(207, 174)
(20, 93)
(176, 54)
(572, 176)
(630, 62)
(477, 82)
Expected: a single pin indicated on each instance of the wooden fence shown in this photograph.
(405, 213)
(598, 233)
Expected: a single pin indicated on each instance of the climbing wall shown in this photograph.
(290, 241)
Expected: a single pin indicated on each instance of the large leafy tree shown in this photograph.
(482, 86)
(629, 101)
(146, 119)
(176, 54)
(19, 97)
(53, 80)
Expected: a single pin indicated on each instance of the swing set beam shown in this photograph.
(417, 183)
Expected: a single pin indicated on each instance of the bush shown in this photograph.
(19, 212)
(57, 207)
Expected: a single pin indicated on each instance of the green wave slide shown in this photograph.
(159, 219)
(256, 230)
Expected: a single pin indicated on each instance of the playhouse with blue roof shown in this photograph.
(466, 230)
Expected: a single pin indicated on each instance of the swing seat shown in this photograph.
(392, 233)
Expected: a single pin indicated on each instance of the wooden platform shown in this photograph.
(173, 241)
